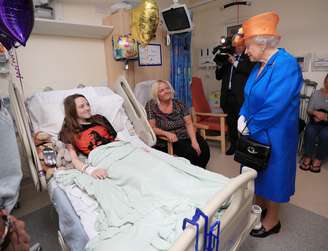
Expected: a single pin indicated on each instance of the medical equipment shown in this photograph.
(177, 18)
(49, 156)
(235, 222)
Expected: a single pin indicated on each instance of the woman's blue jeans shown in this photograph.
(316, 141)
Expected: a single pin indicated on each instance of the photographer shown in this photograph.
(233, 68)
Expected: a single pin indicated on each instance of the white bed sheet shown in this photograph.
(85, 206)
(168, 228)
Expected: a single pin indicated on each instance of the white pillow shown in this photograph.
(108, 106)
(46, 117)
(46, 109)
(52, 117)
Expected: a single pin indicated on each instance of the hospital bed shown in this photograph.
(236, 220)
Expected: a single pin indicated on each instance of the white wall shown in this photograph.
(303, 27)
(88, 12)
(63, 62)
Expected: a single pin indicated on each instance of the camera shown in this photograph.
(222, 50)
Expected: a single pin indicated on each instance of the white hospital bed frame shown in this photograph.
(237, 220)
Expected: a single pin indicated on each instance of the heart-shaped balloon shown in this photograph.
(16, 20)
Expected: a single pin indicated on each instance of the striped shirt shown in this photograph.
(171, 122)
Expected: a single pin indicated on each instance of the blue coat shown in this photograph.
(271, 107)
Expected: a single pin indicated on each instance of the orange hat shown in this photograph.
(262, 24)
(238, 39)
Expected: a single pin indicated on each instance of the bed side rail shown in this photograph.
(135, 111)
(239, 191)
(24, 130)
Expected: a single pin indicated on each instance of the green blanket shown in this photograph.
(145, 199)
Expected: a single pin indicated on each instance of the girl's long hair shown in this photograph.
(71, 126)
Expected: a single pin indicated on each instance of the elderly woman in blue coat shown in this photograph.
(270, 115)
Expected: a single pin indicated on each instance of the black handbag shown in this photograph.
(251, 153)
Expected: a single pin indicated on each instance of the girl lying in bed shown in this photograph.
(83, 132)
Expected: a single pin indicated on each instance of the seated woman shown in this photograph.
(316, 132)
(170, 118)
(82, 132)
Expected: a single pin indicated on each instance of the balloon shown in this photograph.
(125, 47)
(16, 21)
(145, 20)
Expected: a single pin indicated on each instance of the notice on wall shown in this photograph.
(319, 63)
(150, 55)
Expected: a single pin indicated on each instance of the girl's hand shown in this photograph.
(99, 174)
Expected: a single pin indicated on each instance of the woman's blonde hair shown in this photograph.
(155, 87)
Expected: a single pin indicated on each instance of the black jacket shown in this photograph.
(238, 81)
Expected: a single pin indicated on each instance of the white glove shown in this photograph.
(242, 126)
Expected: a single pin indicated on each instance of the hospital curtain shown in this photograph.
(181, 66)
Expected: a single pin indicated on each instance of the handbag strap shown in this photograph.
(247, 122)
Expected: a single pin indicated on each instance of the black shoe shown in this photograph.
(231, 150)
(262, 233)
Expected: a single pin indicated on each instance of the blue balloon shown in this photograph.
(16, 21)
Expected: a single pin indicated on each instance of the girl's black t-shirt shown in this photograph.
(94, 134)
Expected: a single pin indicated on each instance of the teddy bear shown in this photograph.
(64, 160)
(44, 141)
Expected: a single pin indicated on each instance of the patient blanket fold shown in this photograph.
(145, 199)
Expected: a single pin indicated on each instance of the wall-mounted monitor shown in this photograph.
(177, 19)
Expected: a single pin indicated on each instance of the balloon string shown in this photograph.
(18, 74)
(15, 64)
